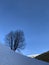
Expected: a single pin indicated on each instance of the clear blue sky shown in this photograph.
(32, 16)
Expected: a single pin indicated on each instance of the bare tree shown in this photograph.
(15, 40)
(19, 40)
(9, 39)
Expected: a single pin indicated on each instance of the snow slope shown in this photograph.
(8, 57)
(32, 56)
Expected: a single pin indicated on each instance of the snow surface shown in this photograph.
(33, 55)
(9, 57)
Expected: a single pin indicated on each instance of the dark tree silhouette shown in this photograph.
(15, 40)
(9, 39)
(19, 40)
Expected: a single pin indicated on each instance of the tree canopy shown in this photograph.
(15, 40)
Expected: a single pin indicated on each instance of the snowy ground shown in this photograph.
(8, 57)
(33, 55)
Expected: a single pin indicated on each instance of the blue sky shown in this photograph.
(32, 16)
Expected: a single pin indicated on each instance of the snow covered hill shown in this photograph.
(8, 57)
(33, 55)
